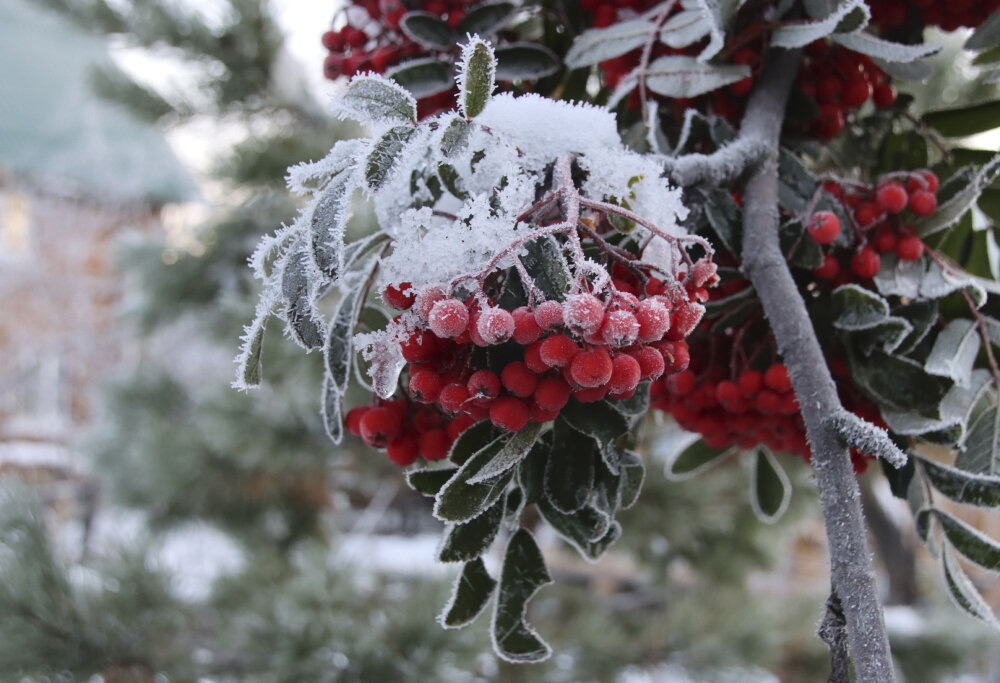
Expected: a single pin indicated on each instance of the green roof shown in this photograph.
(58, 133)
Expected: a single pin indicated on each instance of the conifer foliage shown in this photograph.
(554, 260)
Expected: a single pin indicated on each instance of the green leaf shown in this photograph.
(452, 181)
(680, 76)
(523, 574)
(799, 34)
(455, 136)
(525, 62)
(513, 452)
(296, 288)
(684, 28)
(331, 411)
(633, 472)
(531, 471)
(570, 470)
(963, 121)
(973, 544)
(726, 219)
(469, 540)
(429, 481)
(599, 44)
(955, 351)
(473, 590)
(796, 185)
(460, 501)
(800, 250)
(543, 258)
(899, 383)
(381, 160)
(476, 77)
(428, 30)
(486, 19)
(599, 420)
(372, 98)
(963, 487)
(337, 352)
(982, 441)
(922, 316)
(987, 35)
(588, 530)
(470, 441)
(326, 236)
(250, 360)
(871, 45)
(963, 592)
(857, 308)
(770, 487)
(989, 203)
(952, 210)
(899, 278)
(695, 459)
(424, 77)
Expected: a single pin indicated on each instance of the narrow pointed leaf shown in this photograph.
(633, 472)
(460, 501)
(382, 159)
(513, 452)
(523, 574)
(694, 459)
(963, 592)
(973, 544)
(249, 371)
(679, 76)
(486, 19)
(295, 287)
(599, 44)
(476, 77)
(987, 35)
(868, 44)
(525, 62)
(472, 592)
(338, 341)
(333, 422)
(800, 34)
(684, 28)
(979, 490)
(981, 454)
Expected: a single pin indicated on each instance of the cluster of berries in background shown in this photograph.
(372, 40)
(585, 348)
(947, 14)
(879, 225)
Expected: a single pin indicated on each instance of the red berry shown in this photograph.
(448, 318)
(399, 296)
(676, 356)
(830, 121)
(495, 326)
(583, 313)
(540, 415)
(483, 386)
(590, 395)
(923, 203)
(453, 396)
(458, 425)
(727, 392)
(651, 363)
(865, 263)
(776, 378)
(379, 426)
(604, 15)
(425, 385)
(884, 95)
(856, 91)
(549, 314)
(910, 248)
(625, 374)
(750, 383)
(829, 88)
(533, 358)
(824, 227)
(829, 269)
(353, 419)
(419, 347)
(591, 369)
(620, 328)
(403, 451)
(510, 413)
(557, 351)
(867, 213)
(684, 319)
(518, 379)
(333, 41)
(922, 180)
(426, 298)
(885, 239)
(654, 320)
(681, 383)
(552, 393)
(892, 197)
(768, 402)
(434, 444)
(526, 329)
(355, 36)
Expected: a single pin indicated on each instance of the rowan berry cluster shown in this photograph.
(879, 223)
(947, 14)
(372, 40)
(588, 347)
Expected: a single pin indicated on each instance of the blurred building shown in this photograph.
(75, 173)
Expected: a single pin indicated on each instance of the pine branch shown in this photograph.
(852, 574)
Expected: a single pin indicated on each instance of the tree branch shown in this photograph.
(851, 571)
(722, 166)
(833, 631)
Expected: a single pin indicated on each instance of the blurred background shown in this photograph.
(156, 525)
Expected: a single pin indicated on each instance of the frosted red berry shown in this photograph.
(353, 419)
(923, 203)
(557, 351)
(910, 248)
(453, 396)
(654, 320)
(591, 369)
(552, 393)
(495, 326)
(404, 451)
(824, 227)
(518, 379)
(892, 197)
(533, 358)
(526, 328)
(425, 385)
(620, 328)
(922, 181)
(583, 313)
(549, 315)
(684, 319)
(865, 262)
(510, 413)
(448, 318)
(483, 385)
(399, 296)
(426, 298)
(650, 360)
(625, 374)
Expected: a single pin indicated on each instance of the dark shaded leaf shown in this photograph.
(429, 482)
(451, 180)
(569, 472)
(770, 488)
(486, 19)
(385, 151)
(455, 136)
(424, 77)
(525, 62)
(543, 258)
(586, 529)
(726, 220)
(857, 308)
(326, 235)
(338, 340)
(899, 383)
(964, 121)
(428, 30)
(469, 540)
(470, 441)
(523, 574)
(599, 420)
(962, 591)
(970, 542)
(963, 487)
(633, 472)
(472, 592)
(531, 471)
(695, 459)
(513, 452)
(295, 287)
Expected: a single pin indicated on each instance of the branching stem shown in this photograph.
(852, 574)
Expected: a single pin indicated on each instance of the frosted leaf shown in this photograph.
(308, 176)
(382, 350)
(374, 99)
(476, 76)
